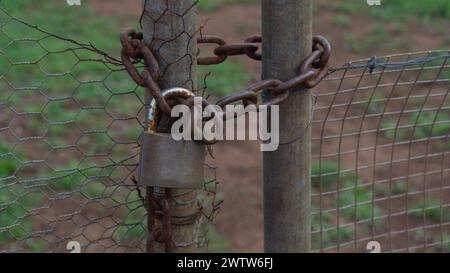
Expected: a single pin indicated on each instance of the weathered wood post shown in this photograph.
(169, 27)
(287, 28)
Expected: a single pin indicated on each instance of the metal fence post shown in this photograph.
(169, 27)
(287, 27)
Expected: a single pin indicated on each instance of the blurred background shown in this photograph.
(355, 30)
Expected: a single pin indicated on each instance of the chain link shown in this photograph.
(312, 70)
(249, 47)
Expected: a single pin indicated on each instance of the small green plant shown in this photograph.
(430, 209)
(436, 242)
(378, 38)
(51, 58)
(10, 211)
(356, 204)
(399, 187)
(344, 234)
(420, 9)
(394, 9)
(8, 165)
(325, 174)
(12, 215)
(93, 189)
(374, 106)
(419, 125)
(349, 7)
(37, 245)
(445, 242)
(211, 5)
(217, 243)
(326, 221)
(132, 228)
(65, 182)
(429, 124)
(396, 188)
(331, 237)
(390, 130)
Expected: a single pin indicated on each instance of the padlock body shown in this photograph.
(169, 163)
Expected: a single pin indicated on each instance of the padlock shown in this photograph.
(166, 162)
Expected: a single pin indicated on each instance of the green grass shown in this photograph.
(342, 235)
(56, 71)
(342, 21)
(419, 125)
(65, 183)
(37, 46)
(223, 79)
(52, 76)
(15, 202)
(325, 173)
(397, 187)
(430, 210)
(372, 105)
(379, 38)
(11, 210)
(327, 176)
(64, 20)
(442, 240)
(430, 124)
(8, 164)
(132, 228)
(36, 245)
(332, 237)
(421, 9)
(354, 203)
(217, 243)
(211, 5)
(393, 9)
(446, 242)
(349, 7)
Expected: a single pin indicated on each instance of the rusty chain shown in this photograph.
(312, 70)
(223, 50)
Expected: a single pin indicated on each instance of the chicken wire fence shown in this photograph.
(71, 119)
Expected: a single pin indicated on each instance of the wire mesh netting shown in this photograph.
(71, 119)
(381, 155)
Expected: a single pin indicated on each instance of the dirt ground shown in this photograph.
(239, 163)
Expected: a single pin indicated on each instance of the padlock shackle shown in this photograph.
(153, 109)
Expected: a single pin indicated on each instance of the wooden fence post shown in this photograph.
(287, 28)
(169, 27)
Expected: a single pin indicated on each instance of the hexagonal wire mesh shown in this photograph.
(69, 146)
